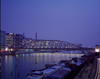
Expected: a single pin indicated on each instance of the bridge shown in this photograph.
(49, 45)
(56, 45)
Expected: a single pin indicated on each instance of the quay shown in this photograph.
(65, 69)
(86, 67)
(91, 70)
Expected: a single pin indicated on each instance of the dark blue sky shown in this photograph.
(75, 21)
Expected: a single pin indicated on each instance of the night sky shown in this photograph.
(75, 21)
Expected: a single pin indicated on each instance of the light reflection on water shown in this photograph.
(26, 62)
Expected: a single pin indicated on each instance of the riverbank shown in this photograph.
(63, 70)
(28, 52)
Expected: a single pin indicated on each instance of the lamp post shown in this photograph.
(97, 50)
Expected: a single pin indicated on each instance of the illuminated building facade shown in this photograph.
(13, 39)
(19, 40)
(28, 41)
(10, 39)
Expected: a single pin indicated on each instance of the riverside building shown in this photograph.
(14, 40)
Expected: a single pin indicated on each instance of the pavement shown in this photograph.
(84, 73)
(90, 71)
(97, 74)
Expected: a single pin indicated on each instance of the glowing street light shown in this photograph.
(97, 48)
(6, 48)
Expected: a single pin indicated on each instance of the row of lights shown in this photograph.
(7, 49)
(49, 47)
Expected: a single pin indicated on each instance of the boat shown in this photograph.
(60, 74)
(44, 73)
(63, 69)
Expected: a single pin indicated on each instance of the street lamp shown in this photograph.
(97, 50)
(6, 48)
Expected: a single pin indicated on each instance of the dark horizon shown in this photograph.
(77, 22)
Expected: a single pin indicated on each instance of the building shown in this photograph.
(13, 39)
(2, 40)
(19, 40)
(28, 42)
(10, 39)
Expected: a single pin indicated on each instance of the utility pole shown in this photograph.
(36, 36)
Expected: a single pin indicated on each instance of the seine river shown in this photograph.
(26, 62)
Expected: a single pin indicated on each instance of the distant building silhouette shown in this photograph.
(2, 39)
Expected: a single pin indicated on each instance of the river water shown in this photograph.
(26, 62)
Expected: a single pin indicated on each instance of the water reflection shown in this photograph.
(16, 55)
(26, 62)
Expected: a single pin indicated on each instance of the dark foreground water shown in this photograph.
(26, 62)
